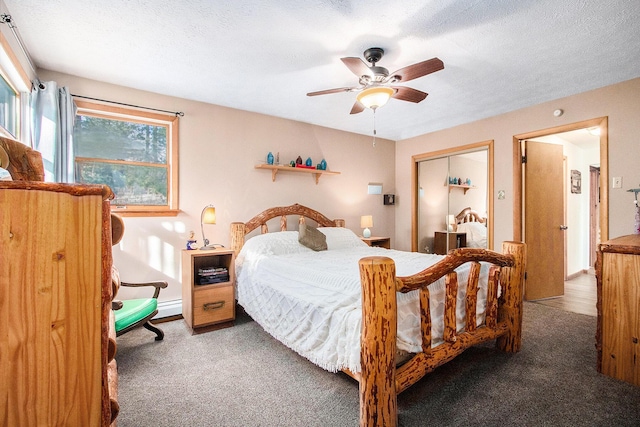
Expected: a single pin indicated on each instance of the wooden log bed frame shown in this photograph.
(380, 380)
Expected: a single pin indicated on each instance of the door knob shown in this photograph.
(563, 227)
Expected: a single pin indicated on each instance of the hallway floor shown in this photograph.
(579, 296)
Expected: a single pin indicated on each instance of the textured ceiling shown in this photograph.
(264, 56)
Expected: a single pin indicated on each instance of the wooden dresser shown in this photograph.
(618, 330)
(57, 363)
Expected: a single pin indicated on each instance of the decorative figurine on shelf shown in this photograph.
(292, 163)
(308, 162)
(299, 160)
(191, 242)
(269, 158)
(323, 165)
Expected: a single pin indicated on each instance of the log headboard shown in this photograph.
(469, 215)
(240, 229)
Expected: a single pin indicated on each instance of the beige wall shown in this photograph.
(220, 146)
(619, 102)
(218, 150)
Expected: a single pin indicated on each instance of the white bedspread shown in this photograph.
(311, 301)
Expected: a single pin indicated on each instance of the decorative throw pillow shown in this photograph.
(312, 238)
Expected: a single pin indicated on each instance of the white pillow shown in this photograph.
(278, 243)
(341, 238)
(475, 231)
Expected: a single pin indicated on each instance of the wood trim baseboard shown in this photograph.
(577, 274)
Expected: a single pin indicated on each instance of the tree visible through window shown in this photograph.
(132, 152)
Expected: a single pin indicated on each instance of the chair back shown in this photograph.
(24, 163)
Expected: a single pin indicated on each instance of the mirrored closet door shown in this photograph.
(452, 199)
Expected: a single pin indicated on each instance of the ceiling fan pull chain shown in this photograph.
(374, 128)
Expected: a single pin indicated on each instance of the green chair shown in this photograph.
(129, 314)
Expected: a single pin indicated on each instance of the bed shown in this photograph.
(470, 222)
(359, 309)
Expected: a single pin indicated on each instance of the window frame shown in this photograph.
(18, 105)
(17, 78)
(109, 112)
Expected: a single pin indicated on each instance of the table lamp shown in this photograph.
(451, 220)
(208, 216)
(366, 221)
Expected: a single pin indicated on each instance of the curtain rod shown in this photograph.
(5, 18)
(177, 113)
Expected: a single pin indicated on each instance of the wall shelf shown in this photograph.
(277, 168)
(464, 187)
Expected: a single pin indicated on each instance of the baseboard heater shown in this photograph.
(169, 308)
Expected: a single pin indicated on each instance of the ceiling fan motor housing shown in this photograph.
(373, 54)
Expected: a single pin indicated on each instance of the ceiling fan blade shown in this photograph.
(357, 66)
(358, 107)
(408, 94)
(417, 70)
(328, 91)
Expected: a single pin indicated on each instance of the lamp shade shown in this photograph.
(375, 97)
(209, 215)
(366, 221)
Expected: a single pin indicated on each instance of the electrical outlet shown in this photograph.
(617, 182)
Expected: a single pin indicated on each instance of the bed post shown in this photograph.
(378, 403)
(510, 310)
(237, 236)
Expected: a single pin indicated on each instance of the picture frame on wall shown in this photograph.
(576, 182)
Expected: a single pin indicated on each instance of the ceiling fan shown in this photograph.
(377, 85)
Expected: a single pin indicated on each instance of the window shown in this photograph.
(133, 152)
(14, 82)
(9, 107)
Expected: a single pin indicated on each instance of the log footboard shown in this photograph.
(380, 380)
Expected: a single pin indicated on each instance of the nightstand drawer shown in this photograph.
(213, 304)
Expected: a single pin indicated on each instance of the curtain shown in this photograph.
(53, 114)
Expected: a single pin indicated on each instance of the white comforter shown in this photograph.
(311, 301)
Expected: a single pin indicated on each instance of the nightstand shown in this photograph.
(208, 289)
(456, 240)
(379, 242)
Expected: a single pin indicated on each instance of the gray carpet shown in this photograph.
(240, 376)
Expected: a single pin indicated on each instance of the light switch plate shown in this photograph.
(617, 182)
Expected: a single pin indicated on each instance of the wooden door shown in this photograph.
(544, 220)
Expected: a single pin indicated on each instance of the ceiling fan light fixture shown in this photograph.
(375, 97)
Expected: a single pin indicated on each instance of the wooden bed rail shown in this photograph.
(380, 380)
